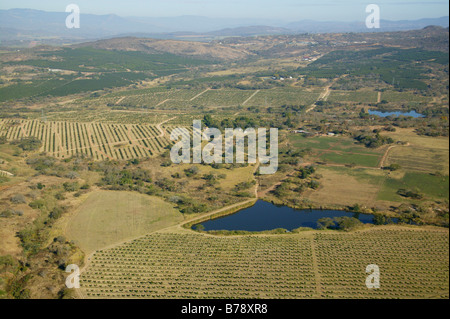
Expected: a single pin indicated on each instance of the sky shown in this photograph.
(289, 10)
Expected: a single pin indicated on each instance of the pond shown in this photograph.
(396, 113)
(266, 216)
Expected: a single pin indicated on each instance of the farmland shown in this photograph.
(423, 154)
(86, 176)
(355, 97)
(96, 70)
(310, 265)
(94, 140)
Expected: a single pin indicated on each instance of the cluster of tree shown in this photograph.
(168, 185)
(115, 176)
(380, 219)
(191, 171)
(306, 172)
(393, 167)
(434, 130)
(18, 199)
(312, 81)
(28, 144)
(188, 205)
(242, 189)
(243, 122)
(409, 193)
(344, 223)
(212, 179)
(41, 163)
(7, 213)
(286, 188)
(373, 140)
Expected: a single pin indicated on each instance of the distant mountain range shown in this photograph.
(24, 26)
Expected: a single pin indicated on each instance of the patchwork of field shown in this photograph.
(95, 140)
(413, 264)
(108, 217)
(107, 116)
(155, 97)
(344, 187)
(169, 99)
(353, 175)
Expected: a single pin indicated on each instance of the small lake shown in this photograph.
(396, 113)
(266, 216)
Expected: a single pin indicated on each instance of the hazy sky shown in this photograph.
(322, 10)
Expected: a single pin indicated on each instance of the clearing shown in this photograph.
(109, 217)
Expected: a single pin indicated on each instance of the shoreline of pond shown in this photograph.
(340, 209)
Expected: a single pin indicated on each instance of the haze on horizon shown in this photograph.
(284, 10)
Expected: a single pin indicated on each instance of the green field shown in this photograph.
(394, 66)
(338, 150)
(90, 59)
(109, 217)
(351, 159)
(107, 69)
(434, 187)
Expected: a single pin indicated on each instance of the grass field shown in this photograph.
(423, 154)
(433, 187)
(342, 186)
(413, 264)
(352, 159)
(418, 159)
(408, 135)
(338, 150)
(108, 217)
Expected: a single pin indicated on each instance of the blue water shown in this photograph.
(398, 113)
(266, 216)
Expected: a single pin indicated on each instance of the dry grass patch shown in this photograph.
(340, 188)
(108, 217)
(408, 135)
